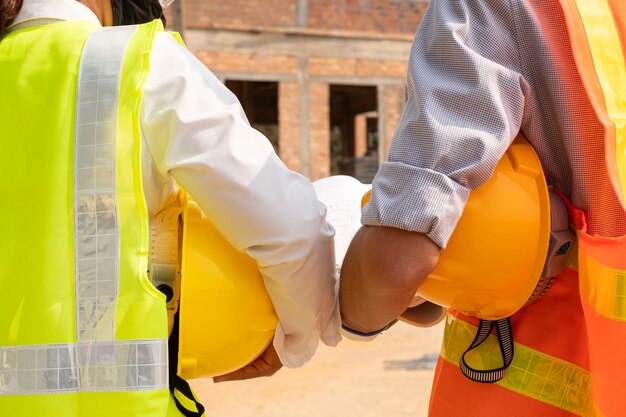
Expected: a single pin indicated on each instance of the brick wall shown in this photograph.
(304, 77)
(240, 13)
(258, 63)
(363, 16)
(380, 16)
(329, 66)
(253, 62)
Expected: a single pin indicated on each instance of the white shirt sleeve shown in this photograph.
(196, 132)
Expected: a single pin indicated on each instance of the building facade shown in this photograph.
(324, 80)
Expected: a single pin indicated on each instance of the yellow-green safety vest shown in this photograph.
(83, 333)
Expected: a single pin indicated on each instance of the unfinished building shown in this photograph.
(322, 79)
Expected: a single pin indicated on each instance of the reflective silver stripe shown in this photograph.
(126, 365)
(96, 233)
(96, 362)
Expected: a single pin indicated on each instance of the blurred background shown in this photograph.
(324, 80)
(390, 376)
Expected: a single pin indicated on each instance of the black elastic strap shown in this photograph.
(176, 382)
(182, 386)
(505, 340)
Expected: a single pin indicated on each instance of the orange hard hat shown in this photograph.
(496, 255)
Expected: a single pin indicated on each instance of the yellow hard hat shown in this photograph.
(226, 317)
(495, 257)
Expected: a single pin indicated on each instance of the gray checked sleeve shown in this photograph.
(464, 107)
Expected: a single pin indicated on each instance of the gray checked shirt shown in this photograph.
(481, 71)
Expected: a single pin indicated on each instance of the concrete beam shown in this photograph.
(302, 13)
(301, 45)
(254, 76)
(305, 153)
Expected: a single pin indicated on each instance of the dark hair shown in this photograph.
(8, 10)
(136, 12)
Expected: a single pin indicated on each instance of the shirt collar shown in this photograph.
(43, 12)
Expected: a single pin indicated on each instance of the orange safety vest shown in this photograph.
(570, 345)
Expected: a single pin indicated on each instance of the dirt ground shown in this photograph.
(388, 377)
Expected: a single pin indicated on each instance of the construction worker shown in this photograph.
(99, 128)
(479, 73)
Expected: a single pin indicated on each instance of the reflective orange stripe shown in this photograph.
(532, 374)
(455, 396)
(551, 328)
(602, 268)
(602, 263)
(603, 288)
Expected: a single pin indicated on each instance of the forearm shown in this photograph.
(380, 274)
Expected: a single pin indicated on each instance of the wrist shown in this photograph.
(353, 334)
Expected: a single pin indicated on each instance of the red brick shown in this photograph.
(365, 16)
(378, 16)
(328, 66)
(240, 13)
(253, 62)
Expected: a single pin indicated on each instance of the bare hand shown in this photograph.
(380, 274)
(265, 365)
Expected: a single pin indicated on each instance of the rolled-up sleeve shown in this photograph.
(196, 132)
(465, 104)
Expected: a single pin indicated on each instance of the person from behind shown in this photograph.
(481, 73)
(103, 123)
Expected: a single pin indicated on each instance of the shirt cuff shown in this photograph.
(415, 199)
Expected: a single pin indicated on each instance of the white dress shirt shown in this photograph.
(196, 134)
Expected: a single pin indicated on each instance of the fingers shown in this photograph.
(265, 365)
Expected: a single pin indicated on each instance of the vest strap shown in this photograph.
(177, 384)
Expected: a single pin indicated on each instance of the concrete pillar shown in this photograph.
(360, 134)
(319, 129)
(391, 99)
(289, 124)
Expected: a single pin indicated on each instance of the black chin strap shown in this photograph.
(179, 386)
(505, 340)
